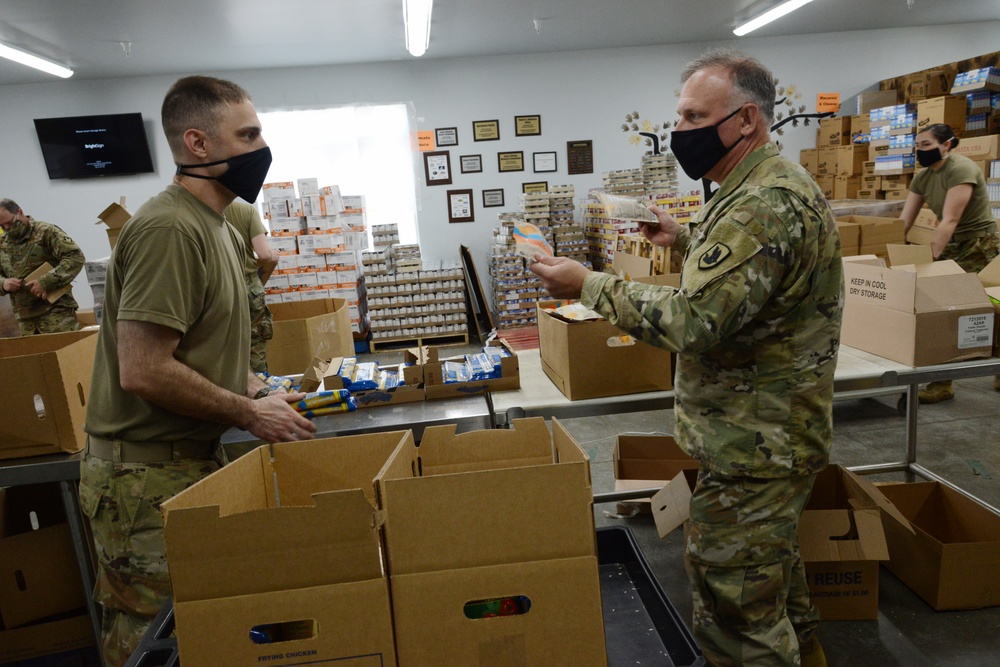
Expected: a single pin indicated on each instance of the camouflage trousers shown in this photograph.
(751, 597)
(56, 320)
(973, 254)
(261, 326)
(122, 502)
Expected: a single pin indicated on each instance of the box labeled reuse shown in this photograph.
(44, 408)
(916, 315)
(946, 546)
(593, 359)
(307, 329)
(491, 548)
(284, 542)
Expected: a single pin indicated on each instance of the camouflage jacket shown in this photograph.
(755, 323)
(44, 243)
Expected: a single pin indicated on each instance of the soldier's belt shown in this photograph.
(150, 452)
(966, 236)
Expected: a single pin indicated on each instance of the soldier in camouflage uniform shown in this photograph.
(259, 261)
(26, 245)
(756, 328)
(170, 372)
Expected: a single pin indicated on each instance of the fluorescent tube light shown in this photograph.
(417, 20)
(775, 12)
(31, 60)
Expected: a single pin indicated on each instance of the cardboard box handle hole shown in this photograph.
(275, 633)
(510, 605)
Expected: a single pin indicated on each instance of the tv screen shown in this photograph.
(86, 146)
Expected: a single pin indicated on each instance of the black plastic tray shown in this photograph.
(641, 625)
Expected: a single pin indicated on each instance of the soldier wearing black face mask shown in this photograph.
(171, 372)
(954, 188)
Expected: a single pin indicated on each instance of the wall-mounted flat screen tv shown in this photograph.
(88, 146)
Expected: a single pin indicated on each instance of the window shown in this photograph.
(365, 150)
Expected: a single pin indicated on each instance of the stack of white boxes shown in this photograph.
(318, 236)
(97, 271)
(659, 173)
(568, 238)
(515, 288)
(410, 299)
(624, 182)
(891, 144)
(384, 236)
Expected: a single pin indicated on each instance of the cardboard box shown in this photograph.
(826, 160)
(43, 411)
(646, 462)
(324, 374)
(515, 509)
(860, 124)
(43, 639)
(846, 186)
(435, 386)
(809, 159)
(287, 537)
(825, 184)
(919, 316)
(948, 110)
(114, 216)
(979, 148)
(876, 99)
(594, 359)
(946, 546)
(875, 232)
(896, 181)
(307, 329)
(849, 160)
(842, 541)
(850, 238)
(989, 276)
(870, 194)
(834, 131)
(895, 195)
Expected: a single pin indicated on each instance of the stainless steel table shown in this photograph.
(64, 469)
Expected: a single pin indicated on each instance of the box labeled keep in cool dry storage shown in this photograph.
(307, 329)
(593, 359)
(946, 546)
(44, 407)
(286, 545)
(493, 518)
(917, 315)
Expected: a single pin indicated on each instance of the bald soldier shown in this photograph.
(756, 327)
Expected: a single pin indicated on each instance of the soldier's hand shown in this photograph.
(562, 277)
(12, 284)
(663, 234)
(38, 290)
(274, 420)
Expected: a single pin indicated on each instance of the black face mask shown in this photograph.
(927, 158)
(700, 149)
(245, 175)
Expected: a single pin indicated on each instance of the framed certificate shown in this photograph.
(460, 206)
(471, 164)
(527, 126)
(437, 168)
(510, 161)
(492, 198)
(544, 161)
(486, 130)
(536, 186)
(446, 136)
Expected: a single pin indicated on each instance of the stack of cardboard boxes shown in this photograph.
(318, 237)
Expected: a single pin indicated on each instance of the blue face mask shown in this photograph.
(700, 149)
(245, 175)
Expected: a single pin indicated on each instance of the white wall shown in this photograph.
(579, 95)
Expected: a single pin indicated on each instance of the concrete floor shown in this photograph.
(957, 439)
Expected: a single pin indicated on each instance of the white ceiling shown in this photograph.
(189, 36)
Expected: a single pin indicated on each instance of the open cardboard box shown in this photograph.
(307, 329)
(114, 216)
(646, 462)
(324, 374)
(943, 545)
(875, 232)
(285, 537)
(42, 603)
(45, 405)
(436, 387)
(492, 514)
(919, 315)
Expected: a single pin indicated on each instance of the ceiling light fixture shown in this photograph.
(775, 12)
(417, 24)
(31, 60)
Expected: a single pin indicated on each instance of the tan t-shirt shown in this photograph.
(177, 264)
(933, 186)
(247, 222)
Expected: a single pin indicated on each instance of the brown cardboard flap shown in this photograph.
(41, 271)
(900, 254)
(826, 535)
(671, 505)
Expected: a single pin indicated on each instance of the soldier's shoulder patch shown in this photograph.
(714, 256)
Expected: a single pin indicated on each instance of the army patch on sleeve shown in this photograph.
(714, 256)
